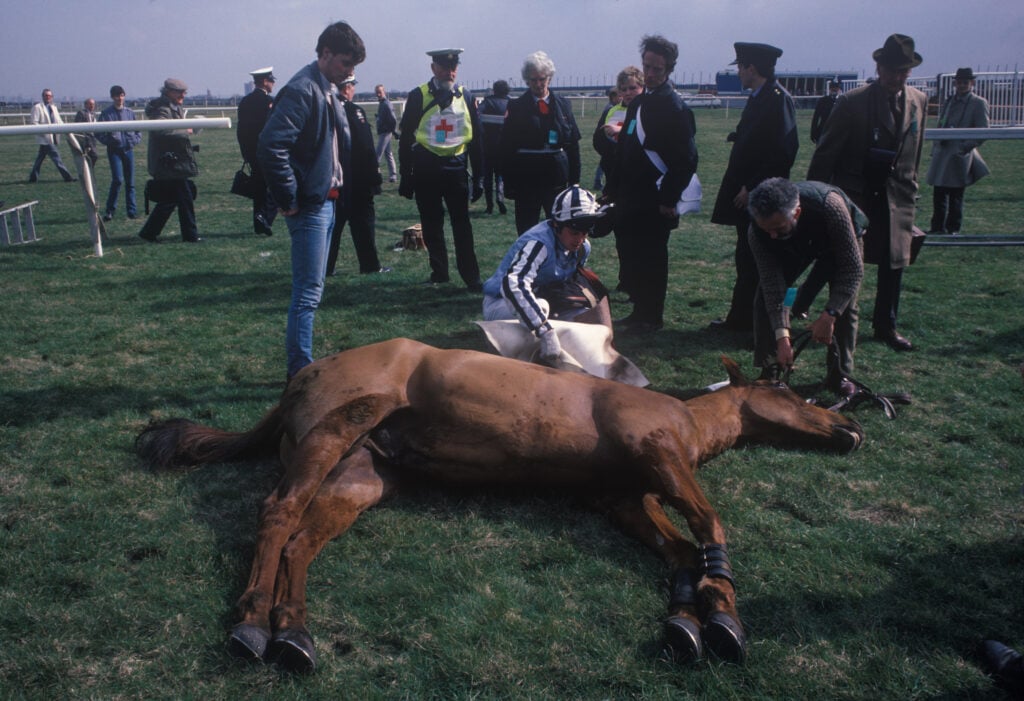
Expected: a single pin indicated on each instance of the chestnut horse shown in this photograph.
(351, 426)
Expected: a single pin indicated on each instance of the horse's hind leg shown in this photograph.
(313, 458)
(351, 488)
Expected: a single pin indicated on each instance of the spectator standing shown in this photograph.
(614, 103)
(299, 153)
(657, 157)
(172, 164)
(629, 85)
(439, 132)
(46, 112)
(823, 108)
(871, 149)
(492, 112)
(956, 163)
(362, 183)
(609, 124)
(386, 125)
(87, 115)
(120, 154)
(765, 144)
(540, 144)
(253, 111)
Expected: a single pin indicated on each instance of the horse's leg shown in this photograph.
(645, 520)
(716, 591)
(351, 488)
(312, 459)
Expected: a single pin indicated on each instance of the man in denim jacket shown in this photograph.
(299, 153)
(120, 154)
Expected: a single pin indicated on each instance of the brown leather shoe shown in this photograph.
(895, 340)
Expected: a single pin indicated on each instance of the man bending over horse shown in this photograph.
(795, 225)
(543, 275)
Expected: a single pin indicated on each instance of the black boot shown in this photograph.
(1006, 665)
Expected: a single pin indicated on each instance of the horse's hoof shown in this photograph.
(725, 638)
(293, 650)
(248, 642)
(682, 640)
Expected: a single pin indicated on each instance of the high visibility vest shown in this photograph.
(445, 132)
(615, 114)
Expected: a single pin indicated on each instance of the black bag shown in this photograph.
(245, 184)
(916, 242)
(166, 191)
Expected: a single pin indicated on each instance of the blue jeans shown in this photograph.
(122, 170)
(310, 232)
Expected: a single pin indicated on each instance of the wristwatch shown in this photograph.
(831, 312)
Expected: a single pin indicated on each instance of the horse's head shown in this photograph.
(770, 412)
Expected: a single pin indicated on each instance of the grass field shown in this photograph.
(870, 576)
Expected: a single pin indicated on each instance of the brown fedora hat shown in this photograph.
(898, 52)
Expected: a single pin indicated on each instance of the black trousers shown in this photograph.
(178, 195)
(741, 309)
(447, 188)
(530, 203)
(361, 216)
(947, 209)
(263, 205)
(643, 244)
(876, 250)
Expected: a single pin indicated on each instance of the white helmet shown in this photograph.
(577, 207)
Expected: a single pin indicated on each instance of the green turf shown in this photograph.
(871, 576)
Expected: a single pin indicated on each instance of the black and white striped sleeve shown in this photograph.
(517, 287)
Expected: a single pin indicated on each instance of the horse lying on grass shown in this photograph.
(351, 426)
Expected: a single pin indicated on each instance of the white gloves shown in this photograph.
(550, 348)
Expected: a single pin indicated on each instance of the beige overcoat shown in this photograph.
(956, 162)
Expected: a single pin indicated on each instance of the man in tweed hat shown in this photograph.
(871, 149)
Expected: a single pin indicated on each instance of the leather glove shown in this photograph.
(550, 348)
(478, 189)
(406, 188)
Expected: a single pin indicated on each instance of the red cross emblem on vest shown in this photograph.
(442, 130)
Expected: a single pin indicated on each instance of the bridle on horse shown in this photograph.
(862, 394)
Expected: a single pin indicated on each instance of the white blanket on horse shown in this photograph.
(585, 347)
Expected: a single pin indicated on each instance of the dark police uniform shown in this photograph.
(355, 204)
(253, 110)
(765, 146)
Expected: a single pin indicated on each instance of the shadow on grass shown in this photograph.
(941, 602)
(22, 409)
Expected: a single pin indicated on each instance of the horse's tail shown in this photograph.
(180, 442)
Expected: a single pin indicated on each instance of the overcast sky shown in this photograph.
(80, 48)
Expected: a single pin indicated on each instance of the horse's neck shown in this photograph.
(717, 419)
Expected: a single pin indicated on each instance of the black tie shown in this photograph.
(53, 120)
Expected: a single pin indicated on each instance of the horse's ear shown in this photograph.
(736, 376)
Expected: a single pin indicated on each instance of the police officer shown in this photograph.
(253, 111)
(439, 130)
(764, 146)
(355, 205)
